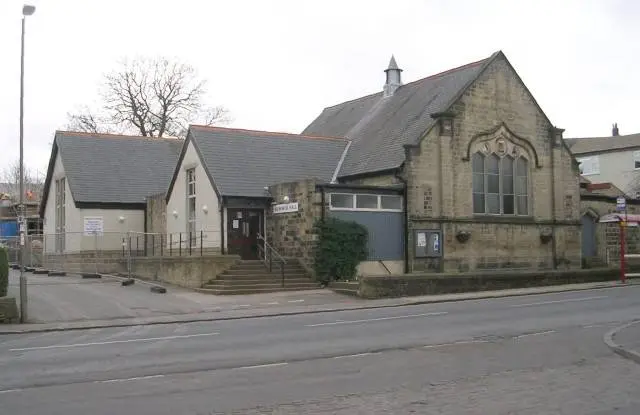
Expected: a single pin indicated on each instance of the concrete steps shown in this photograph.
(248, 277)
(253, 290)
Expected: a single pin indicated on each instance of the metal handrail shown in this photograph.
(272, 251)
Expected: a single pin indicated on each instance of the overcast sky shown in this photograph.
(276, 64)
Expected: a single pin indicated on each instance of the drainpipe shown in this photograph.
(406, 222)
(323, 202)
(554, 257)
(221, 225)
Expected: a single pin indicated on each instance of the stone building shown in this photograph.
(489, 182)
(458, 171)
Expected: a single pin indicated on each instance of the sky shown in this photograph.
(276, 64)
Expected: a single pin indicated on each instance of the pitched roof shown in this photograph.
(243, 162)
(608, 190)
(379, 127)
(603, 144)
(115, 169)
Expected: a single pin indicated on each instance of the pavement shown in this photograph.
(526, 354)
(73, 303)
(625, 340)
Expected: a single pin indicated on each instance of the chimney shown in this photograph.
(394, 80)
(614, 131)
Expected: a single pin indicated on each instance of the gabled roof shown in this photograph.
(379, 127)
(603, 144)
(112, 169)
(242, 162)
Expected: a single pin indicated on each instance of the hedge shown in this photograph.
(4, 271)
(342, 245)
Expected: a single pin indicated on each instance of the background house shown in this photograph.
(614, 159)
(101, 182)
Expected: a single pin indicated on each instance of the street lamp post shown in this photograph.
(27, 10)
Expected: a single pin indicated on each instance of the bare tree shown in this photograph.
(84, 119)
(150, 97)
(10, 181)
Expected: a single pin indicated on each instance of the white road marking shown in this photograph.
(569, 300)
(129, 379)
(271, 303)
(10, 390)
(356, 355)
(376, 319)
(295, 301)
(241, 305)
(148, 339)
(540, 333)
(265, 365)
(431, 346)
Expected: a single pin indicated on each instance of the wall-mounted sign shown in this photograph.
(621, 204)
(285, 208)
(93, 225)
(422, 239)
(236, 224)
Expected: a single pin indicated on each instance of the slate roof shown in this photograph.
(603, 144)
(243, 162)
(115, 169)
(379, 127)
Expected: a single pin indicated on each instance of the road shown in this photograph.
(525, 355)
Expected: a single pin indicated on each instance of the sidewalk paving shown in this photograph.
(74, 299)
(239, 311)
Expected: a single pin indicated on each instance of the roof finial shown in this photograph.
(394, 80)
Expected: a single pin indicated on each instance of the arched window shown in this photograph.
(500, 185)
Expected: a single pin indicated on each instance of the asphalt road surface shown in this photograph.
(526, 355)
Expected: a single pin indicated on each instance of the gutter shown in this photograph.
(334, 178)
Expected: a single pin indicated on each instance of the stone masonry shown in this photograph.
(497, 111)
(292, 234)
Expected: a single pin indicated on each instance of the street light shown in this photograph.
(27, 10)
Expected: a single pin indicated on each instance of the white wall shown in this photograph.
(209, 223)
(74, 220)
(617, 168)
(114, 231)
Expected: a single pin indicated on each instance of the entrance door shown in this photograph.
(589, 248)
(243, 227)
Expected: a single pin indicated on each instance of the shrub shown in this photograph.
(4, 271)
(341, 247)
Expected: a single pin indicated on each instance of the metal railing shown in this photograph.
(104, 252)
(266, 253)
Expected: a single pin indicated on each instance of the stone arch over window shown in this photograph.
(500, 183)
(502, 141)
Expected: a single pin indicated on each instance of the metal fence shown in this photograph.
(135, 243)
(33, 249)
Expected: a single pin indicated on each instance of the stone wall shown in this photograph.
(496, 112)
(156, 224)
(188, 272)
(608, 234)
(428, 284)
(292, 234)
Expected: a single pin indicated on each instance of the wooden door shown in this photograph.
(243, 227)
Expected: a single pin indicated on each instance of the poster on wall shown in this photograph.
(236, 224)
(422, 239)
(93, 225)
